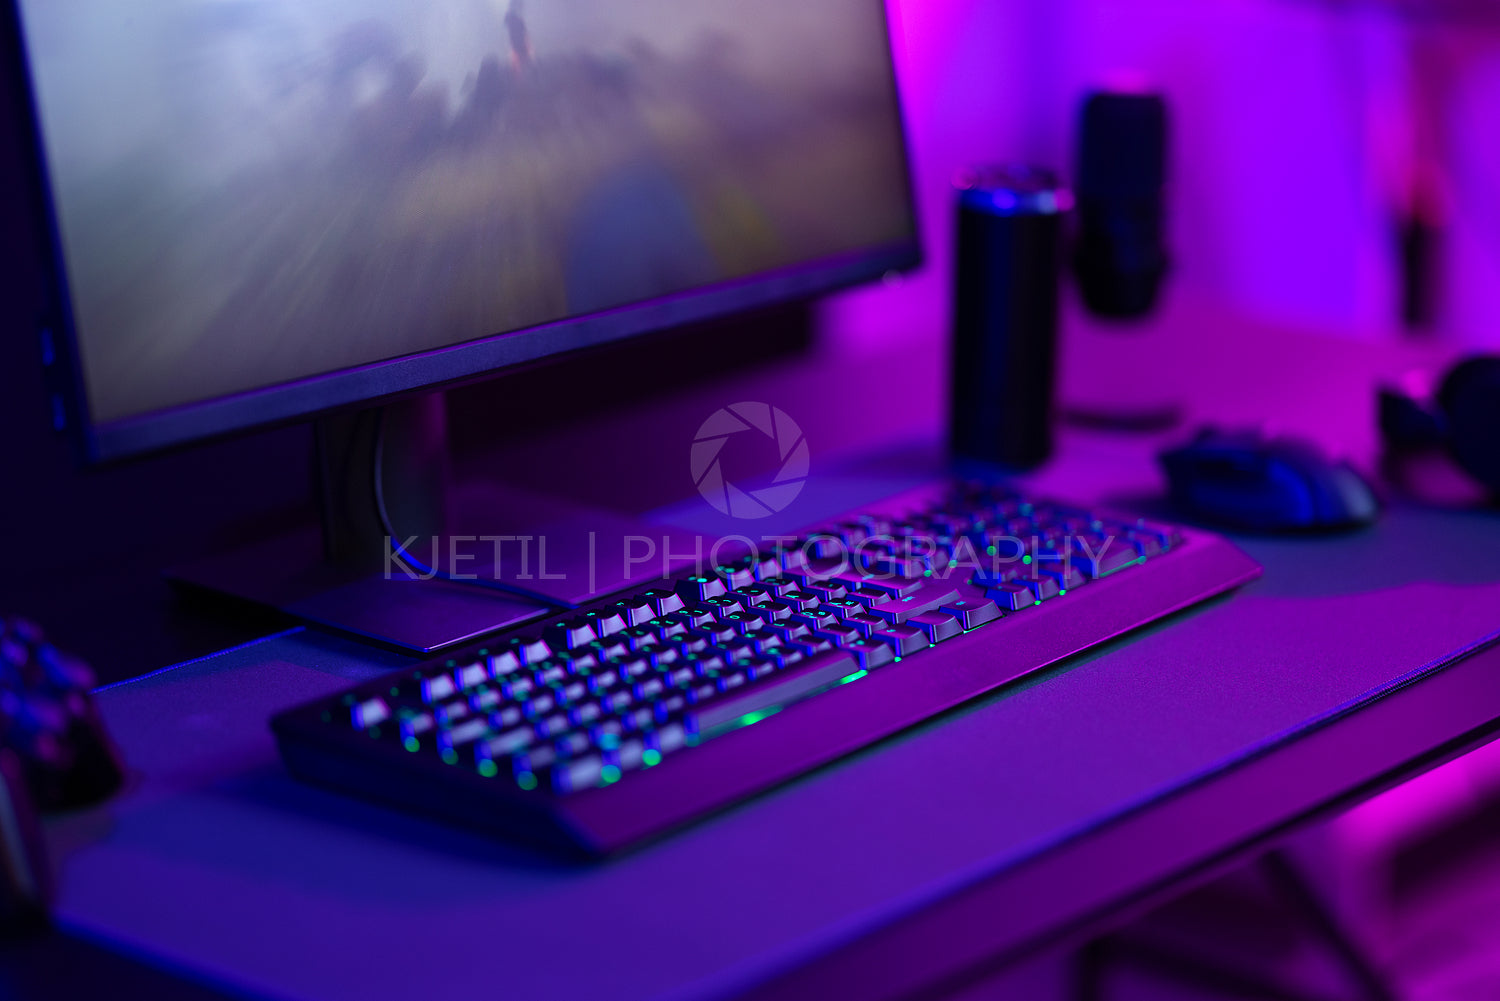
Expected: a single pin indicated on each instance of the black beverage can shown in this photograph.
(1005, 315)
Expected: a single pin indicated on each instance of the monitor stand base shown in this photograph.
(522, 555)
(417, 616)
(342, 576)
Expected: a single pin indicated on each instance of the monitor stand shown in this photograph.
(346, 574)
(341, 574)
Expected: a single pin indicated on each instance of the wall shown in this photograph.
(1297, 128)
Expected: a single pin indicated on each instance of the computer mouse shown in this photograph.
(1245, 480)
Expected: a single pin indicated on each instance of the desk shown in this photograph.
(903, 870)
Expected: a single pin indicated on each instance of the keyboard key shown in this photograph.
(1106, 557)
(649, 689)
(416, 724)
(549, 671)
(751, 594)
(607, 622)
(501, 664)
(867, 624)
(570, 744)
(845, 608)
(1042, 587)
(743, 622)
(695, 590)
(1165, 535)
(659, 654)
(698, 616)
(767, 565)
(580, 773)
(871, 653)
(529, 649)
(718, 632)
(754, 639)
(438, 688)
(505, 744)
(791, 558)
(972, 612)
(604, 650)
(634, 667)
(904, 640)
(1067, 575)
(851, 532)
(635, 610)
(927, 598)
(997, 574)
(937, 625)
(639, 636)
(736, 573)
(815, 618)
(841, 635)
(788, 686)
(775, 611)
(1012, 596)
(779, 586)
(791, 630)
(464, 734)
(665, 602)
(628, 754)
(800, 600)
(565, 634)
(829, 590)
(472, 674)
(722, 606)
(1148, 543)
(671, 625)
(370, 712)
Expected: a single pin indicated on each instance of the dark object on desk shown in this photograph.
(645, 711)
(1461, 420)
(1120, 256)
(54, 754)
(1247, 481)
(25, 876)
(48, 720)
(1005, 315)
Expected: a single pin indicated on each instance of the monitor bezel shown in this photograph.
(378, 382)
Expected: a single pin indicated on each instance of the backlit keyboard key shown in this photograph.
(565, 634)
(1011, 596)
(370, 712)
(437, 688)
(972, 612)
(937, 625)
(905, 640)
(665, 602)
(695, 590)
(580, 773)
(471, 675)
(505, 744)
(870, 653)
(924, 599)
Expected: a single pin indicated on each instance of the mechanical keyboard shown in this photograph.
(594, 728)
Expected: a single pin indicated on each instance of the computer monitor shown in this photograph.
(268, 210)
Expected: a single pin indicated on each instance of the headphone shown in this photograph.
(1461, 419)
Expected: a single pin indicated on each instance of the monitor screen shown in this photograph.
(251, 196)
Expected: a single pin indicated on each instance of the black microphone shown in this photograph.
(1120, 255)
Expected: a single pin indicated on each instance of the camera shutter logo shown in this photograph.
(750, 419)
